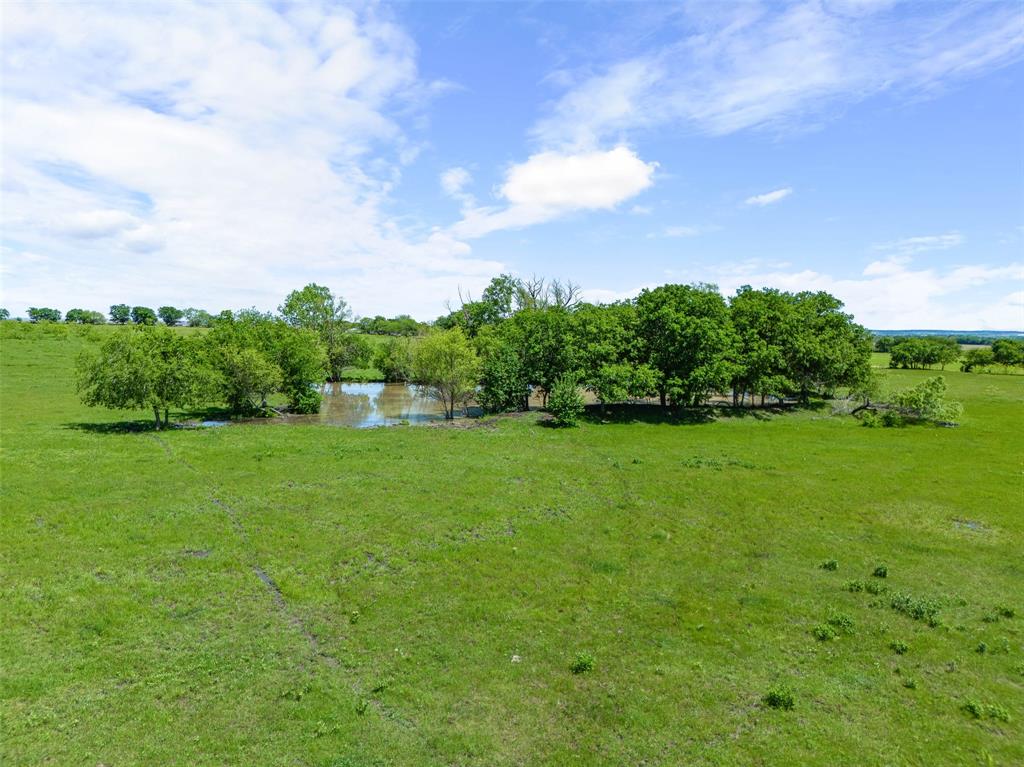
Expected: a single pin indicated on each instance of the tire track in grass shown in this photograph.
(290, 616)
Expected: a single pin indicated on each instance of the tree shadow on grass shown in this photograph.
(656, 414)
(179, 420)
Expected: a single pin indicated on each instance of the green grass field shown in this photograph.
(312, 595)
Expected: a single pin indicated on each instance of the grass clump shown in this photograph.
(823, 632)
(780, 697)
(881, 572)
(991, 710)
(582, 663)
(917, 608)
(829, 564)
(840, 622)
(899, 647)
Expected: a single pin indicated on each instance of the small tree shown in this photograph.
(142, 315)
(36, 314)
(120, 314)
(927, 402)
(170, 315)
(198, 318)
(394, 360)
(4, 314)
(247, 378)
(137, 370)
(1007, 352)
(445, 365)
(565, 401)
(503, 378)
(350, 350)
(977, 358)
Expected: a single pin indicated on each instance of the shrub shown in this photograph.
(919, 609)
(823, 632)
(840, 621)
(582, 663)
(881, 572)
(307, 401)
(565, 401)
(899, 647)
(829, 564)
(779, 696)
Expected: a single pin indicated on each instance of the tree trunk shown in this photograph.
(762, 400)
(156, 415)
(664, 399)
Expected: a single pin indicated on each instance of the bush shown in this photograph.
(824, 632)
(881, 572)
(899, 647)
(503, 379)
(829, 564)
(307, 401)
(565, 402)
(779, 696)
(394, 360)
(582, 663)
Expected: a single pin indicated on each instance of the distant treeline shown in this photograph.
(123, 314)
(884, 340)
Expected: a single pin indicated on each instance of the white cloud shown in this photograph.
(216, 155)
(454, 180)
(887, 295)
(551, 184)
(909, 246)
(769, 197)
(745, 66)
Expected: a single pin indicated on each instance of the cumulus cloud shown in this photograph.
(768, 198)
(213, 154)
(746, 66)
(454, 180)
(551, 184)
(891, 294)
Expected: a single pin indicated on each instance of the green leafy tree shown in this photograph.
(247, 378)
(143, 369)
(1008, 352)
(446, 367)
(44, 314)
(826, 349)
(143, 315)
(350, 350)
(84, 317)
(120, 314)
(927, 402)
(394, 360)
(198, 318)
(504, 386)
(566, 403)
(764, 321)
(977, 358)
(688, 340)
(4, 314)
(316, 308)
(170, 315)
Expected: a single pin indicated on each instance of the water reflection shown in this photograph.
(375, 404)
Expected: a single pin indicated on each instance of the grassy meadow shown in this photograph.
(310, 595)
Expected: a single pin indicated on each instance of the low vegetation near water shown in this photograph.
(648, 588)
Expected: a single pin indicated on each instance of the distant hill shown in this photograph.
(961, 336)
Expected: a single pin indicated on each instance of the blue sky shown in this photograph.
(221, 155)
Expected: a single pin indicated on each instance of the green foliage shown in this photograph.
(566, 403)
(349, 350)
(402, 325)
(927, 402)
(143, 315)
(823, 632)
(143, 369)
(198, 318)
(881, 571)
(582, 663)
(779, 696)
(504, 386)
(977, 358)
(5, 314)
(37, 314)
(899, 647)
(120, 314)
(686, 337)
(829, 564)
(170, 315)
(923, 352)
(446, 367)
(1008, 352)
(84, 317)
(918, 608)
(394, 360)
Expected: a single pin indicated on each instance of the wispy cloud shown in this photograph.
(768, 198)
(745, 65)
(908, 246)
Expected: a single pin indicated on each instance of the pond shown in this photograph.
(375, 404)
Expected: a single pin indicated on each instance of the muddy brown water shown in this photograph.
(375, 404)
